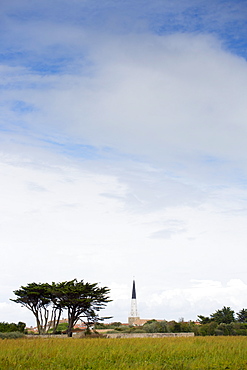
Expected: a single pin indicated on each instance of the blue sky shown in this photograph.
(123, 151)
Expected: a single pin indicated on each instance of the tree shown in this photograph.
(225, 315)
(242, 315)
(36, 297)
(82, 302)
(204, 319)
(47, 301)
(40, 299)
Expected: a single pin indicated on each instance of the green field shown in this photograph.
(139, 353)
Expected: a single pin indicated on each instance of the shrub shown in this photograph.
(207, 329)
(155, 327)
(227, 329)
(11, 335)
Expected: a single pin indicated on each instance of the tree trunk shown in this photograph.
(70, 327)
(56, 320)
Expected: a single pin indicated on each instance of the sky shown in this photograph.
(123, 152)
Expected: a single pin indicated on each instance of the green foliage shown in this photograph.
(100, 325)
(153, 326)
(213, 328)
(225, 315)
(223, 322)
(11, 335)
(39, 298)
(240, 328)
(129, 329)
(61, 328)
(242, 315)
(150, 322)
(82, 301)
(47, 301)
(204, 319)
(113, 325)
(6, 327)
(206, 329)
(116, 324)
(180, 327)
(225, 329)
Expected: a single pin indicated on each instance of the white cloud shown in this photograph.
(159, 97)
(171, 99)
(166, 233)
(202, 298)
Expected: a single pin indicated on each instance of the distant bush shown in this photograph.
(154, 326)
(208, 327)
(128, 329)
(240, 328)
(212, 328)
(11, 335)
(112, 325)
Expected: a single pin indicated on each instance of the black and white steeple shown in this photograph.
(133, 310)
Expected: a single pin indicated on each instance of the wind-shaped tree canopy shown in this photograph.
(82, 301)
(37, 297)
(46, 301)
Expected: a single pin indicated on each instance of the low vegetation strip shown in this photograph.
(138, 353)
(11, 335)
(148, 335)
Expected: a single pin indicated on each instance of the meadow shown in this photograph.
(128, 353)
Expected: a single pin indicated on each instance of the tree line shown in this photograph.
(225, 316)
(6, 327)
(81, 301)
(221, 322)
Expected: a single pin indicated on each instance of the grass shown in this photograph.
(138, 353)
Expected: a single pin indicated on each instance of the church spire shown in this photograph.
(133, 311)
(134, 290)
